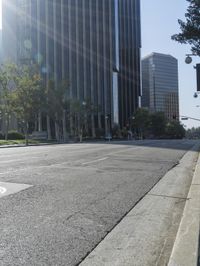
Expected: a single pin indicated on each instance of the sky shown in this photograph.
(159, 22)
(0, 14)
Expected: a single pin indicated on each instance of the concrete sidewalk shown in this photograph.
(147, 234)
(186, 247)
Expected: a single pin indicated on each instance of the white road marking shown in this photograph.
(76, 162)
(121, 151)
(98, 160)
(3, 190)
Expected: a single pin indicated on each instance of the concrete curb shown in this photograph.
(186, 246)
(146, 235)
(30, 145)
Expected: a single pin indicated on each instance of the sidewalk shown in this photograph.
(147, 235)
(186, 247)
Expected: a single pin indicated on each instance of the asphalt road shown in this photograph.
(77, 194)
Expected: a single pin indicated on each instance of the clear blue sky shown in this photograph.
(159, 22)
(0, 15)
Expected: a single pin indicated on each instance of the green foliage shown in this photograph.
(157, 124)
(56, 98)
(175, 130)
(7, 85)
(193, 133)
(141, 118)
(190, 29)
(80, 112)
(7, 76)
(14, 135)
(141, 122)
(26, 98)
(124, 132)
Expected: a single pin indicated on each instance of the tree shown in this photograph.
(158, 124)
(190, 30)
(81, 111)
(58, 106)
(175, 130)
(141, 121)
(7, 84)
(193, 133)
(26, 98)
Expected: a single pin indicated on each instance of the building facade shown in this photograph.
(160, 84)
(94, 44)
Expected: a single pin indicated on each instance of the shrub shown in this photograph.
(13, 135)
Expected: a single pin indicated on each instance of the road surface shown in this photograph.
(58, 202)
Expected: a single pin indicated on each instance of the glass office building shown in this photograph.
(160, 84)
(95, 44)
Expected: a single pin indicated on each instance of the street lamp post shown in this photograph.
(188, 60)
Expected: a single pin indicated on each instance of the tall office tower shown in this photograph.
(95, 44)
(160, 84)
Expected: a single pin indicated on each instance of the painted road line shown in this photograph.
(7, 188)
(95, 161)
(3, 190)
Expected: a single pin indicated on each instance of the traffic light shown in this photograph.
(198, 76)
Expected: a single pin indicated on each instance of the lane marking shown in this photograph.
(3, 190)
(94, 161)
(121, 151)
(76, 162)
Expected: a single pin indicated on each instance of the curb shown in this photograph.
(186, 245)
(30, 145)
(146, 235)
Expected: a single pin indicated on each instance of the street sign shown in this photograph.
(184, 118)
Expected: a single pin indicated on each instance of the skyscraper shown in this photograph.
(160, 84)
(95, 44)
